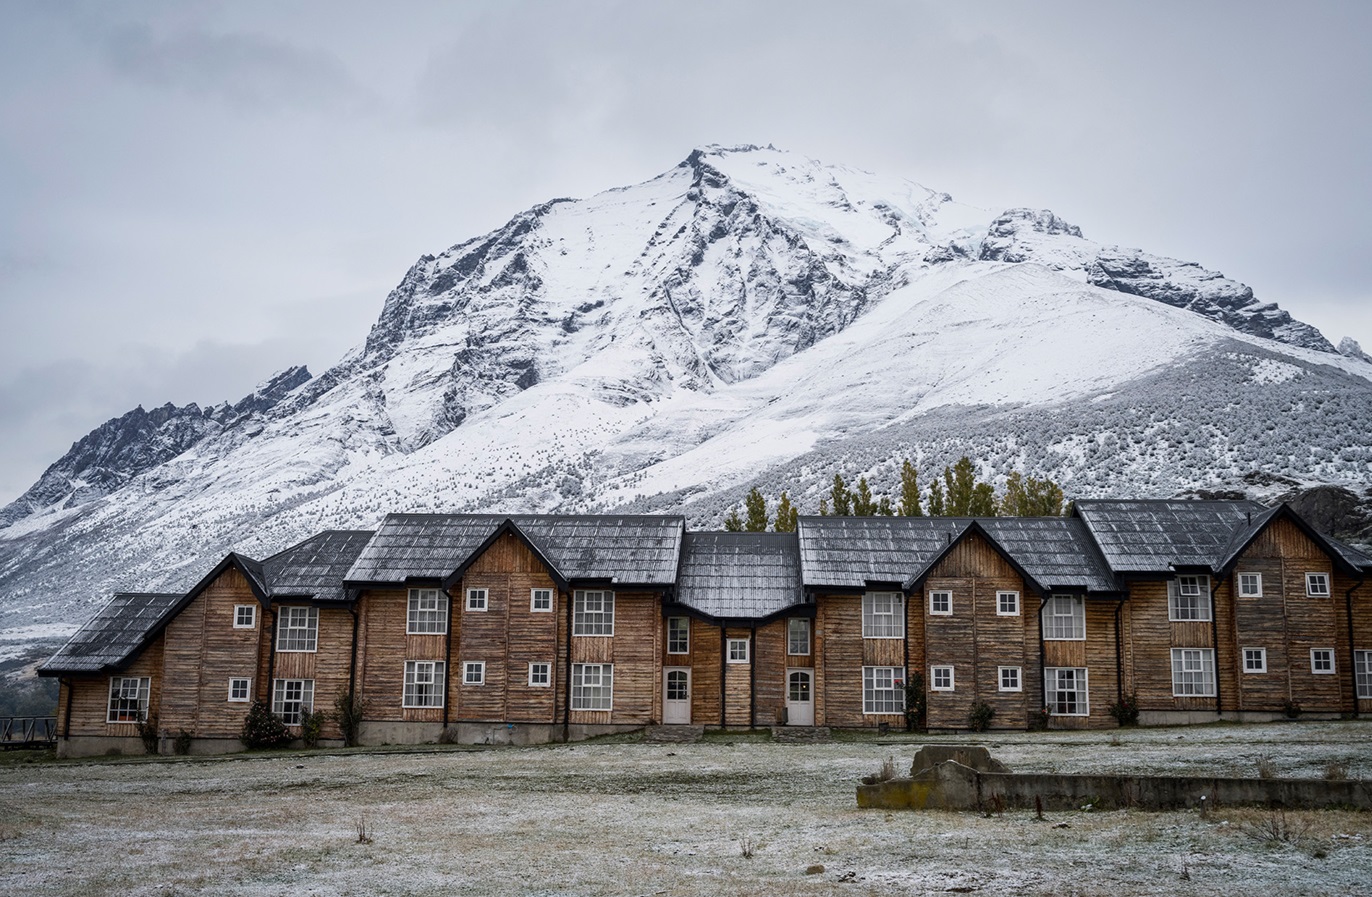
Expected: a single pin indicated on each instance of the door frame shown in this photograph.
(666, 671)
(810, 672)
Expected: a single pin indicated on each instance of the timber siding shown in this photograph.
(1116, 558)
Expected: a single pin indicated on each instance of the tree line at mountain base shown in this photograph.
(957, 493)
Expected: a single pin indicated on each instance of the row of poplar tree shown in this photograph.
(958, 493)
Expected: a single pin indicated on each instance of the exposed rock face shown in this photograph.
(1341, 512)
(1350, 348)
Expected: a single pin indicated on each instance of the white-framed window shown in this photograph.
(593, 613)
(1066, 692)
(1065, 619)
(245, 616)
(424, 683)
(240, 690)
(1322, 661)
(1317, 585)
(1007, 604)
(428, 612)
(1362, 673)
(1009, 678)
(738, 650)
(297, 629)
(678, 635)
(883, 690)
(941, 603)
(798, 636)
(593, 686)
(1193, 672)
(541, 601)
(941, 678)
(883, 615)
(540, 675)
(474, 672)
(1250, 585)
(1255, 660)
(1188, 598)
(292, 699)
(128, 698)
(477, 599)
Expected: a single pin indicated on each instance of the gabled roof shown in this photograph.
(1157, 536)
(1050, 553)
(110, 638)
(1355, 558)
(740, 575)
(853, 552)
(315, 568)
(619, 549)
(1346, 557)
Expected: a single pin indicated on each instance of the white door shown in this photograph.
(676, 696)
(800, 698)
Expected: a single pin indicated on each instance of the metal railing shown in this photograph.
(27, 731)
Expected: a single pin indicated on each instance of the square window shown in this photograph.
(798, 636)
(678, 635)
(1317, 585)
(474, 672)
(738, 650)
(1362, 673)
(1193, 672)
(1066, 692)
(1250, 585)
(128, 699)
(1009, 679)
(424, 683)
(541, 601)
(883, 690)
(592, 686)
(1255, 660)
(292, 699)
(593, 613)
(883, 615)
(1188, 598)
(540, 675)
(297, 631)
(1322, 661)
(428, 612)
(245, 616)
(1007, 604)
(941, 678)
(941, 603)
(477, 599)
(240, 690)
(1065, 619)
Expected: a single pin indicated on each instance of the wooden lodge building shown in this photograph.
(529, 628)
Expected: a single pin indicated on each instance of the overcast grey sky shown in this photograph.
(194, 195)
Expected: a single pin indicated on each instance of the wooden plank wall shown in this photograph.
(976, 641)
(838, 671)
(327, 665)
(635, 650)
(1362, 627)
(91, 695)
(772, 661)
(382, 648)
(508, 636)
(706, 688)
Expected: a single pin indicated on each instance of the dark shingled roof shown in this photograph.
(640, 550)
(1153, 536)
(110, 638)
(315, 568)
(1056, 551)
(1360, 559)
(732, 575)
(850, 552)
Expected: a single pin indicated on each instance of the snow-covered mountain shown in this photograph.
(750, 317)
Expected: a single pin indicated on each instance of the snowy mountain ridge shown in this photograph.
(747, 317)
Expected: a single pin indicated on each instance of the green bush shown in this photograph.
(147, 730)
(263, 729)
(916, 703)
(1038, 720)
(182, 742)
(979, 719)
(1126, 710)
(312, 726)
(348, 711)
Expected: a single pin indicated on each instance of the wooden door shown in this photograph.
(800, 697)
(676, 696)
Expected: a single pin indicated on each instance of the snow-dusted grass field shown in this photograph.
(628, 818)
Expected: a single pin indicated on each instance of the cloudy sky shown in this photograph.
(194, 195)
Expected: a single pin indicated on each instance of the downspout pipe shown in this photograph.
(448, 663)
(723, 676)
(568, 600)
(1119, 653)
(1043, 651)
(1215, 641)
(1352, 648)
(66, 716)
(752, 676)
(271, 657)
